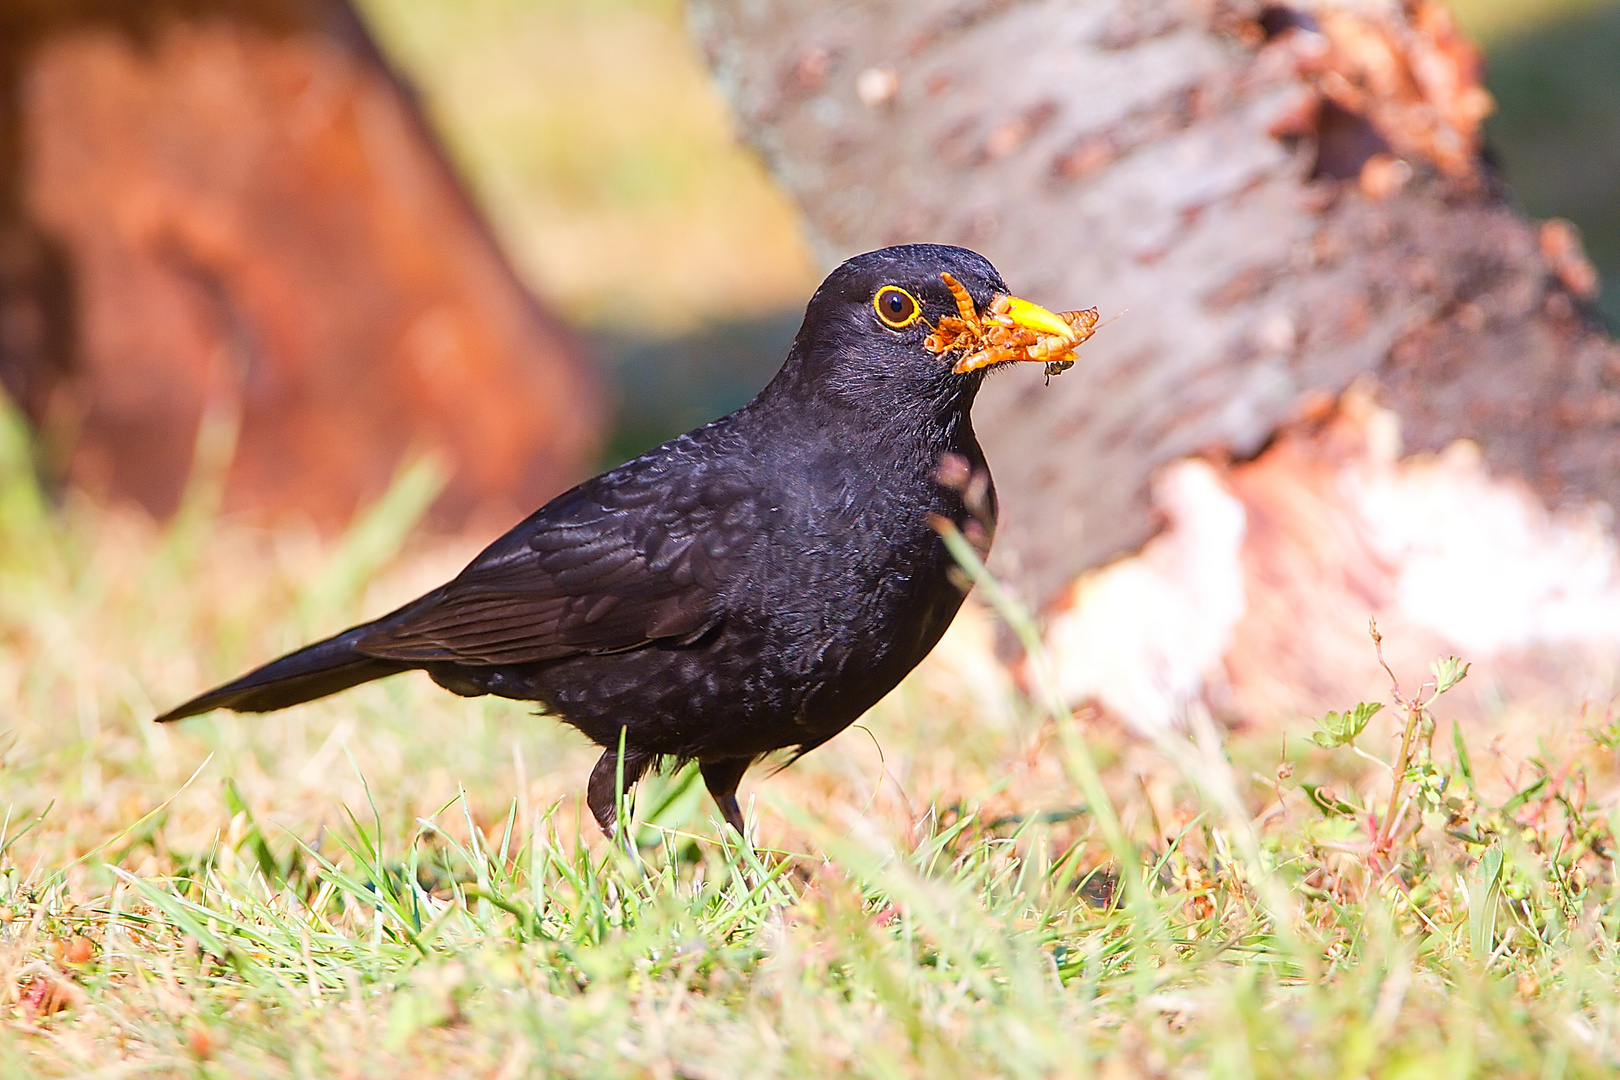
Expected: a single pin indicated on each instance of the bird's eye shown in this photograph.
(897, 308)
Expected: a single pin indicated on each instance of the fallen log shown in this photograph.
(1278, 201)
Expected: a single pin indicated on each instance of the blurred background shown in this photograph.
(591, 133)
(302, 229)
(1555, 73)
(519, 232)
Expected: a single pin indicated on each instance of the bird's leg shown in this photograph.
(602, 792)
(722, 778)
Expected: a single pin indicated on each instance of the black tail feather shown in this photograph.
(312, 672)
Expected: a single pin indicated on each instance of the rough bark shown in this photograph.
(1278, 198)
(233, 203)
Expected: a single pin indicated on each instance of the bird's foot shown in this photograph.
(722, 778)
(610, 779)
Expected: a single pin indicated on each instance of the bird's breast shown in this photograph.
(852, 577)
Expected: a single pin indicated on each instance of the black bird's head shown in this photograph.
(917, 325)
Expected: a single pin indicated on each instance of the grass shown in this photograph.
(974, 883)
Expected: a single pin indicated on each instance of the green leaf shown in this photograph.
(1448, 672)
(1484, 893)
(1329, 802)
(1337, 729)
(1464, 765)
(1519, 798)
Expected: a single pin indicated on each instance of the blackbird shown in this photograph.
(753, 585)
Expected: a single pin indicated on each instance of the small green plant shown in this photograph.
(1495, 882)
(1419, 786)
(1341, 728)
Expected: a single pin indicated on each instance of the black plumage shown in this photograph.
(753, 585)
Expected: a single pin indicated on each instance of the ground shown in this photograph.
(397, 881)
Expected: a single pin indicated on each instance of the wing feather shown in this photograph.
(637, 556)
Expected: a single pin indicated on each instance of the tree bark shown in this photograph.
(234, 204)
(1274, 200)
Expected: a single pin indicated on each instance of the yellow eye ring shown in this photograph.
(896, 308)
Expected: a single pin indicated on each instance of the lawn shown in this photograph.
(973, 882)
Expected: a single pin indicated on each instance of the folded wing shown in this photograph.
(616, 564)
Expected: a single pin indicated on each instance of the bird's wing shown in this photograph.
(634, 557)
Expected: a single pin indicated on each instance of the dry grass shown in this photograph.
(395, 881)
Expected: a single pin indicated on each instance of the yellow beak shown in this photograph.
(1028, 316)
(1012, 329)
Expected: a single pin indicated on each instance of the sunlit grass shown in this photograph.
(593, 137)
(399, 882)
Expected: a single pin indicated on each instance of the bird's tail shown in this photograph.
(312, 672)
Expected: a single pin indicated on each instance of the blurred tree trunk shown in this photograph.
(1279, 198)
(234, 204)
